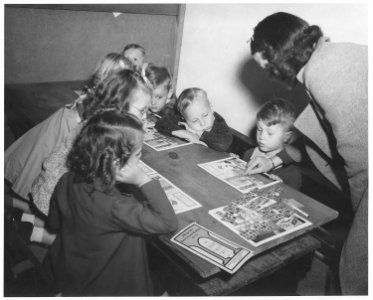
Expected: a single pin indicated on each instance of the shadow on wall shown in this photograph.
(264, 88)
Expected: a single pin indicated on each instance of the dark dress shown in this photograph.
(218, 138)
(100, 248)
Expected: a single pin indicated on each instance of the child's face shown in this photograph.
(139, 101)
(271, 138)
(135, 156)
(199, 115)
(136, 57)
(160, 97)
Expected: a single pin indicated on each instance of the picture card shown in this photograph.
(231, 171)
(160, 142)
(180, 201)
(259, 219)
(212, 247)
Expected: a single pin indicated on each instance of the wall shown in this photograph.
(57, 45)
(215, 54)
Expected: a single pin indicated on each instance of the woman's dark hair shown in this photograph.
(287, 42)
(157, 75)
(112, 92)
(107, 138)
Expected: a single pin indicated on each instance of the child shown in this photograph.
(23, 159)
(110, 63)
(202, 124)
(163, 98)
(137, 55)
(274, 130)
(124, 91)
(100, 248)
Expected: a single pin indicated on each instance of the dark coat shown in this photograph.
(100, 247)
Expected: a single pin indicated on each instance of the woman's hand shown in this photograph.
(259, 164)
(131, 173)
(233, 155)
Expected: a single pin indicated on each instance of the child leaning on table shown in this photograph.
(100, 249)
(274, 129)
(195, 121)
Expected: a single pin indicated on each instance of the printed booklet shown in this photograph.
(231, 171)
(260, 218)
(212, 247)
(160, 142)
(180, 201)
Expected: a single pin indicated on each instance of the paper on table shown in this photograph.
(231, 171)
(212, 247)
(160, 142)
(180, 201)
(259, 219)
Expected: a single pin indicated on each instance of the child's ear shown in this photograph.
(288, 136)
(169, 95)
(212, 108)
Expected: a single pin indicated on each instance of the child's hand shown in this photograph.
(187, 135)
(196, 132)
(131, 173)
(259, 164)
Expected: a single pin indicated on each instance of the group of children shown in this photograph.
(71, 163)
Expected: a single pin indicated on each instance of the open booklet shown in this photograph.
(262, 217)
(180, 201)
(212, 247)
(158, 141)
(231, 171)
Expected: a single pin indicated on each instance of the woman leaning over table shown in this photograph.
(335, 122)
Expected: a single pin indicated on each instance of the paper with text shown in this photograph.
(212, 247)
(158, 141)
(259, 219)
(180, 201)
(231, 171)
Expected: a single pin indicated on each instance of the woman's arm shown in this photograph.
(262, 164)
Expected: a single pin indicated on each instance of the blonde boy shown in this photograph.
(195, 121)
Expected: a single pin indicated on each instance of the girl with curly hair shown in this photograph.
(100, 248)
(123, 91)
(23, 160)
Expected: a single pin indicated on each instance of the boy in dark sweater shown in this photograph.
(194, 120)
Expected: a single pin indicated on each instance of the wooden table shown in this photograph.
(180, 166)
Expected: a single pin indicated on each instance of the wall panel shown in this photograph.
(215, 54)
(57, 45)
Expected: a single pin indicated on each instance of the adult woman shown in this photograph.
(336, 120)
